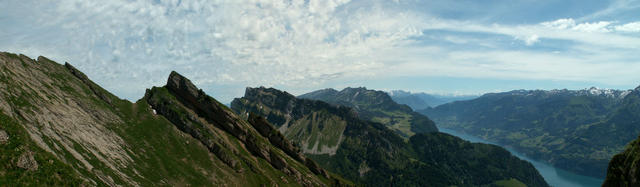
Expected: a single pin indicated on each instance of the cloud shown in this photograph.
(564, 23)
(569, 23)
(629, 27)
(529, 40)
(293, 43)
(299, 45)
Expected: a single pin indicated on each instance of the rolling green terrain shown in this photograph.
(59, 128)
(377, 106)
(372, 154)
(576, 130)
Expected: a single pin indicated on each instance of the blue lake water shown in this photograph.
(554, 176)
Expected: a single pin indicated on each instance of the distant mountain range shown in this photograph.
(340, 139)
(419, 101)
(577, 130)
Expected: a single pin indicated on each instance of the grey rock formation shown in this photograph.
(26, 161)
(4, 137)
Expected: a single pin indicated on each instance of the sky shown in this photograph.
(435, 46)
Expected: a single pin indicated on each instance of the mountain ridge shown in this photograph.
(373, 154)
(58, 127)
(377, 106)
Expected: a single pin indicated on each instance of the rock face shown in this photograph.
(624, 167)
(26, 161)
(4, 137)
(59, 128)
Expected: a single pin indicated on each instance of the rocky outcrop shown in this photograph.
(26, 161)
(624, 167)
(4, 137)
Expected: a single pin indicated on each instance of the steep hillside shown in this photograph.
(623, 168)
(59, 128)
(577, 130)
(377, 106)
(372, 154)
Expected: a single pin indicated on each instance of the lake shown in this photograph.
(554, 176)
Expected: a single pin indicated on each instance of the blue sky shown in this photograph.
(439, 46)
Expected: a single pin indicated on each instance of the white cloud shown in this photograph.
(629, 27)
(565, 23)
(529, 40)
(601, 26)
(569, 23)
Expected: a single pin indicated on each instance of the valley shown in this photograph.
(578, 131)
(553, 175)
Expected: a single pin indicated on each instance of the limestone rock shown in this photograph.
(4, 137)
(26, 161)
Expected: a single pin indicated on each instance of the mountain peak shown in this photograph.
(182, 85)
